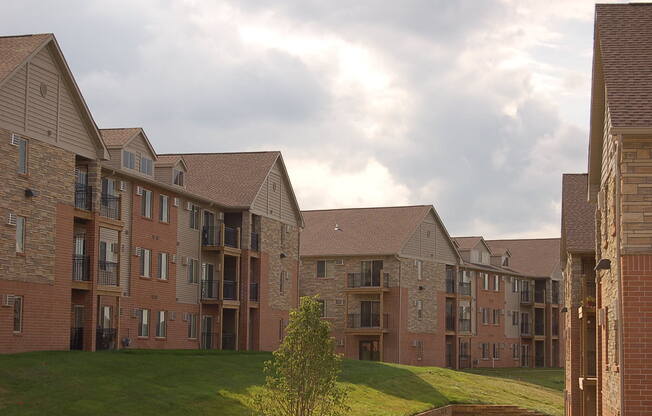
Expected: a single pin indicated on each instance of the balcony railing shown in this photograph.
(526, 329)
(358, 280)
(228, 341)
(110, 206)
(105, 339)
(526, 296)
(230, 290)
(230, 236)
(81, 268)
(366, 320)
(108, 273)
(465, 325)
(253, 292)
(255, 241)
(220, 235)
(540, 296)
(465, 288)
(450, 322)
(83, 197)
(210, 236)
(76, 338)
(450, 285)
(210, 289)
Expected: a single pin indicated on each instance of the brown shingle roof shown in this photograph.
(467, 243)
(364, 231)
(537, 257)
(118, 137)
(15, 49)
(624, 32)
(577, 215)
(230, 179)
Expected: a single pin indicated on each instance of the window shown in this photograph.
(146, 204)
(485, 316)
(496, 351)
(485, 351)
(107, 317)
(515, 315)
(371, 272)
(143, 323)
(20, 234)
(145, 262)
(280, 330)
(282, 279)
(193, 271)
(163, 266)
(128, 160)
(177, 177)
(419, 349)
(496, 283)
(192, 326)
(322, 306)
(18, 314)
(419, 264)
(505, 261)
(326, 268)
(419, 309)
(146, 165)
(516, 349)
(496, 316)
(22, 154)
(194, 217)
(515, 285)
(485, 281)
(161, 324)
(164, 208)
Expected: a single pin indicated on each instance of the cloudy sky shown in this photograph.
(475, 106)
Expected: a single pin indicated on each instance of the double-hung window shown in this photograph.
(496, 283)
(146, 262)
(164, 208)
(146, 165)
(146, 204)
(485, 351)
(143, 323)
(194, 217)
(496, 316)
(496, 352)
(515, 316)
(192, 326)
(163, 266)
(515, 285)
(322, 307)
(161, 324)
(485, 281)
(326, 268)
(128, 159)
(178, 177)
(20, 234)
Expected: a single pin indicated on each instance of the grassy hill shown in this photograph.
(220, 383)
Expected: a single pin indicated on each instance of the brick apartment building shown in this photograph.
(398, 289)
(618, 191)
(104, 244)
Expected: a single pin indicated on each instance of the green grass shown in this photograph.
(220, 383)
(546, 377)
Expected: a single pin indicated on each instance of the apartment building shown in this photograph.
(618, 185)
(380, 274)
(106, 244)
(578, 262)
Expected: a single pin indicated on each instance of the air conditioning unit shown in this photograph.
(339, 262)
(175, 202)
(138, 251)
(8, 300)
(11, 219)
(139, 190)
(15, 139)
(123, 186)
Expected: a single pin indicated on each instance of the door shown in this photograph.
(77, 330)
(369, 314)
(449, 354)
(369, 350)
(105, 339)
(207, 332)
(209, 232)
(525, 355)
(370, 271)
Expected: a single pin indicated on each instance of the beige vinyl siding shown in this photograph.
(274, 199)
(56, 118)
(138, 147)
(126, 206)
(429, 241)
(163, 174)
(116, 159)
(189, 247)
(444, 251)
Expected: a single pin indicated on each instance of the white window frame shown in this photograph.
(195, 217)
(177, 173)
(193, 271)
(515, 287)
(146, 166)
(21, 225)
(163, 259)
(192, 326)
(485, 281)
(496, 352)
(23, 153)
(516, 318)
(329, 269)
(485, 350)
(161, 324)
(130, 157)
(146, 203)
(164, 208)
(497, 283)
(146, 262)
(419, 264)
(143, 323)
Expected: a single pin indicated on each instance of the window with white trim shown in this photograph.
(163, 266)
(146, 165)
(515, 316)
(322, 307)
(325, 268)
(143, 323)
(496, 317)
(419, 264)
(18, 314)
(192, 326)
(496, 283)
(515, 284)
(178, 177)
(161, 324)
(146, 262)
(164, 208)
(485, 351)
(496, 352)
(128, 159)
(146, 204)
(485, 281)
(20, 234)
(193, 271)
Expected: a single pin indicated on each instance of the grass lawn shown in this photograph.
(220, 383)
(547, 377)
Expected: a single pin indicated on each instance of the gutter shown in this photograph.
(621, 327)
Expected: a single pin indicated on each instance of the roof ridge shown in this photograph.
(525, 239)
(27, 35)
(356, 208)
(218, 153)
(120, 128)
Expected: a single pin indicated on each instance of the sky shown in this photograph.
(474, 106)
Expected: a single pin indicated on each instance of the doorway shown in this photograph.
(207, 336)
(369, 350)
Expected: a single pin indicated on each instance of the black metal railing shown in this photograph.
(526, 296)
(356, 280)
(110, 206)
(107, 273)
(230, 236)
(83, 197)
(105, 339)
(228, 341)
(450, 285)
(465, 325)
(210, 289)
(255, 241)
(525, 328)
(208, 340)
(81, 268)
(450, 322)
(253, 292)
(366, 320)
(540, 296)
(539, 328)
(76, 338)
(210, 236)
(465, 288)
(230, 290)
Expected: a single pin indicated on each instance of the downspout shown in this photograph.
(621, 354)
(400, 309)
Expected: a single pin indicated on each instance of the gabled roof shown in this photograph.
(469, 243)
(171, 160)
(362, 231)
(577, 215)
(534, 257)
(122, 136)
(15, 51)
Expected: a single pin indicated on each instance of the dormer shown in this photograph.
(501, 257)
(130, 150)
(172, 170)
(473, 249)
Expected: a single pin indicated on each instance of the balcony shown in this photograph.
(366, 321)
(253, 292)
(83, 197)
(220, 236)
(450, 322)
(540, 296)
(231, 237)
(77, 338)
(465, 325)
(210, 289)
(230, 290)
(450, 285)
(526, 297)
(526, 330)
(108, 273)
(81, 268)
(255, 241)
(110, 206)
(465, 288)
(367, 281)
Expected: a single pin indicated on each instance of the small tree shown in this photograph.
(301, 378)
